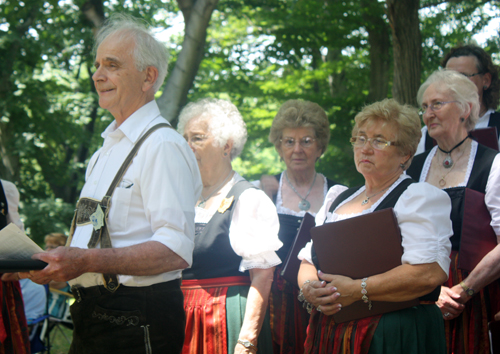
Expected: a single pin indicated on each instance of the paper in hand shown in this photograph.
(16, 250)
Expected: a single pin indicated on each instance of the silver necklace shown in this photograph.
(204, 200)
(367, 198)
(303, 204)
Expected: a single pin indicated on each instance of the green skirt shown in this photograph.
(236, 302)
(416, 330)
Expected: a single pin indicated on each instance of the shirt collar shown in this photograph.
(134, 126)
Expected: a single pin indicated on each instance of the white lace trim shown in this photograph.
(284, 210)
(428, 161)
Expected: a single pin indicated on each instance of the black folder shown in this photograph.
(25, 265)
(360, 247)
(292, 263)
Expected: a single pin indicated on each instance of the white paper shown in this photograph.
(15, 245)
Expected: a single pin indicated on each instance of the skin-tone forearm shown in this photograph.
(402, 283)
(256, 307)
(66, 263)
(451, 300)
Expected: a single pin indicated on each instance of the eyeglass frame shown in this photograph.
(370, 141)
(295, 142)
(471, 75)
(422, 110)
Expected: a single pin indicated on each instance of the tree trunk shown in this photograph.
(380, 44)
(197, 14)
(403, 18)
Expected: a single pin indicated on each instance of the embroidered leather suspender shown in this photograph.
(93, 211)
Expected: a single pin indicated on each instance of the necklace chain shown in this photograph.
(303, 204)
(442, 181)
(367, 198)
(204, 200)
(448, 161)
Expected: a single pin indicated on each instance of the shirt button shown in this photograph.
(95, 182)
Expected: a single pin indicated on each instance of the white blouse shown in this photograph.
(254, 228)
(492, 195)
(423, 214)
(283, 210)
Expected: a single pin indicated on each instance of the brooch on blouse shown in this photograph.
(226, 203)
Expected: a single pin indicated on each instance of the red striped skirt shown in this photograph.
(468, 333)
(205, 308)
(14, 337)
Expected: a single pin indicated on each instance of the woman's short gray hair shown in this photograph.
(148, 51)
(461, 90)
(224, 121)
(301, 114)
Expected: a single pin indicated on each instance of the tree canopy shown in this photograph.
(257, 53)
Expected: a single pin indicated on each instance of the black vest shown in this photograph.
(213, 256)
(4, 208)
(477, 181)
(289, 225)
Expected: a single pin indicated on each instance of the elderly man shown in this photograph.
(133, 229)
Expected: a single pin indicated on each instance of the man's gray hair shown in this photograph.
(148, 51)
(224, 121)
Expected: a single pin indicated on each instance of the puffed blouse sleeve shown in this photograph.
(423, 213)
(254, 231)
(492, 196)
(333, 193)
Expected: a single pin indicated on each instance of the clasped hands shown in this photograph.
(452, 301)
(330, 293)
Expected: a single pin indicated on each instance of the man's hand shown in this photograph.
(64, 263)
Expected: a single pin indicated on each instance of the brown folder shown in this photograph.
(292, 263)
(478, 237)
(486, 136)
(360, 247)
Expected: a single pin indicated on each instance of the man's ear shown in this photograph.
(150, 78)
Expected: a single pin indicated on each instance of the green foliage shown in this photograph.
(43, 216)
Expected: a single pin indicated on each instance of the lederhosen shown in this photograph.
(289, 319)
(14, 336)
(210, 283)
(126, 319)
(494, 121)
(323, 331)
(467, 333)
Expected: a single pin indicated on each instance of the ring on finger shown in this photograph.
(318, 308)
(447, 314)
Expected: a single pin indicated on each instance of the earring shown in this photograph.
(225, 154)
(462, 119)
(403, 166)
(485, 87)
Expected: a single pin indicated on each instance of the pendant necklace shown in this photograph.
(442, 181)
(367, 198)
(448, 161)
(204, 200)
(303, 204)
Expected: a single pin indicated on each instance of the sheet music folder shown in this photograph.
(292, 263)
(478, 237)
(360, 247)
(25, 265)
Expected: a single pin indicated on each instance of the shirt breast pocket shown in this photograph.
(120, 206)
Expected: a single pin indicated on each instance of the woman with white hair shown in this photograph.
(227, 288)
(450, 109)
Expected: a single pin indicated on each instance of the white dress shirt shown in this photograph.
(481, 123)
(254, 227)
(156, 198)
(423, 214)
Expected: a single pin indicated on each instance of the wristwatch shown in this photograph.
(468, 291)
(247, 344)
